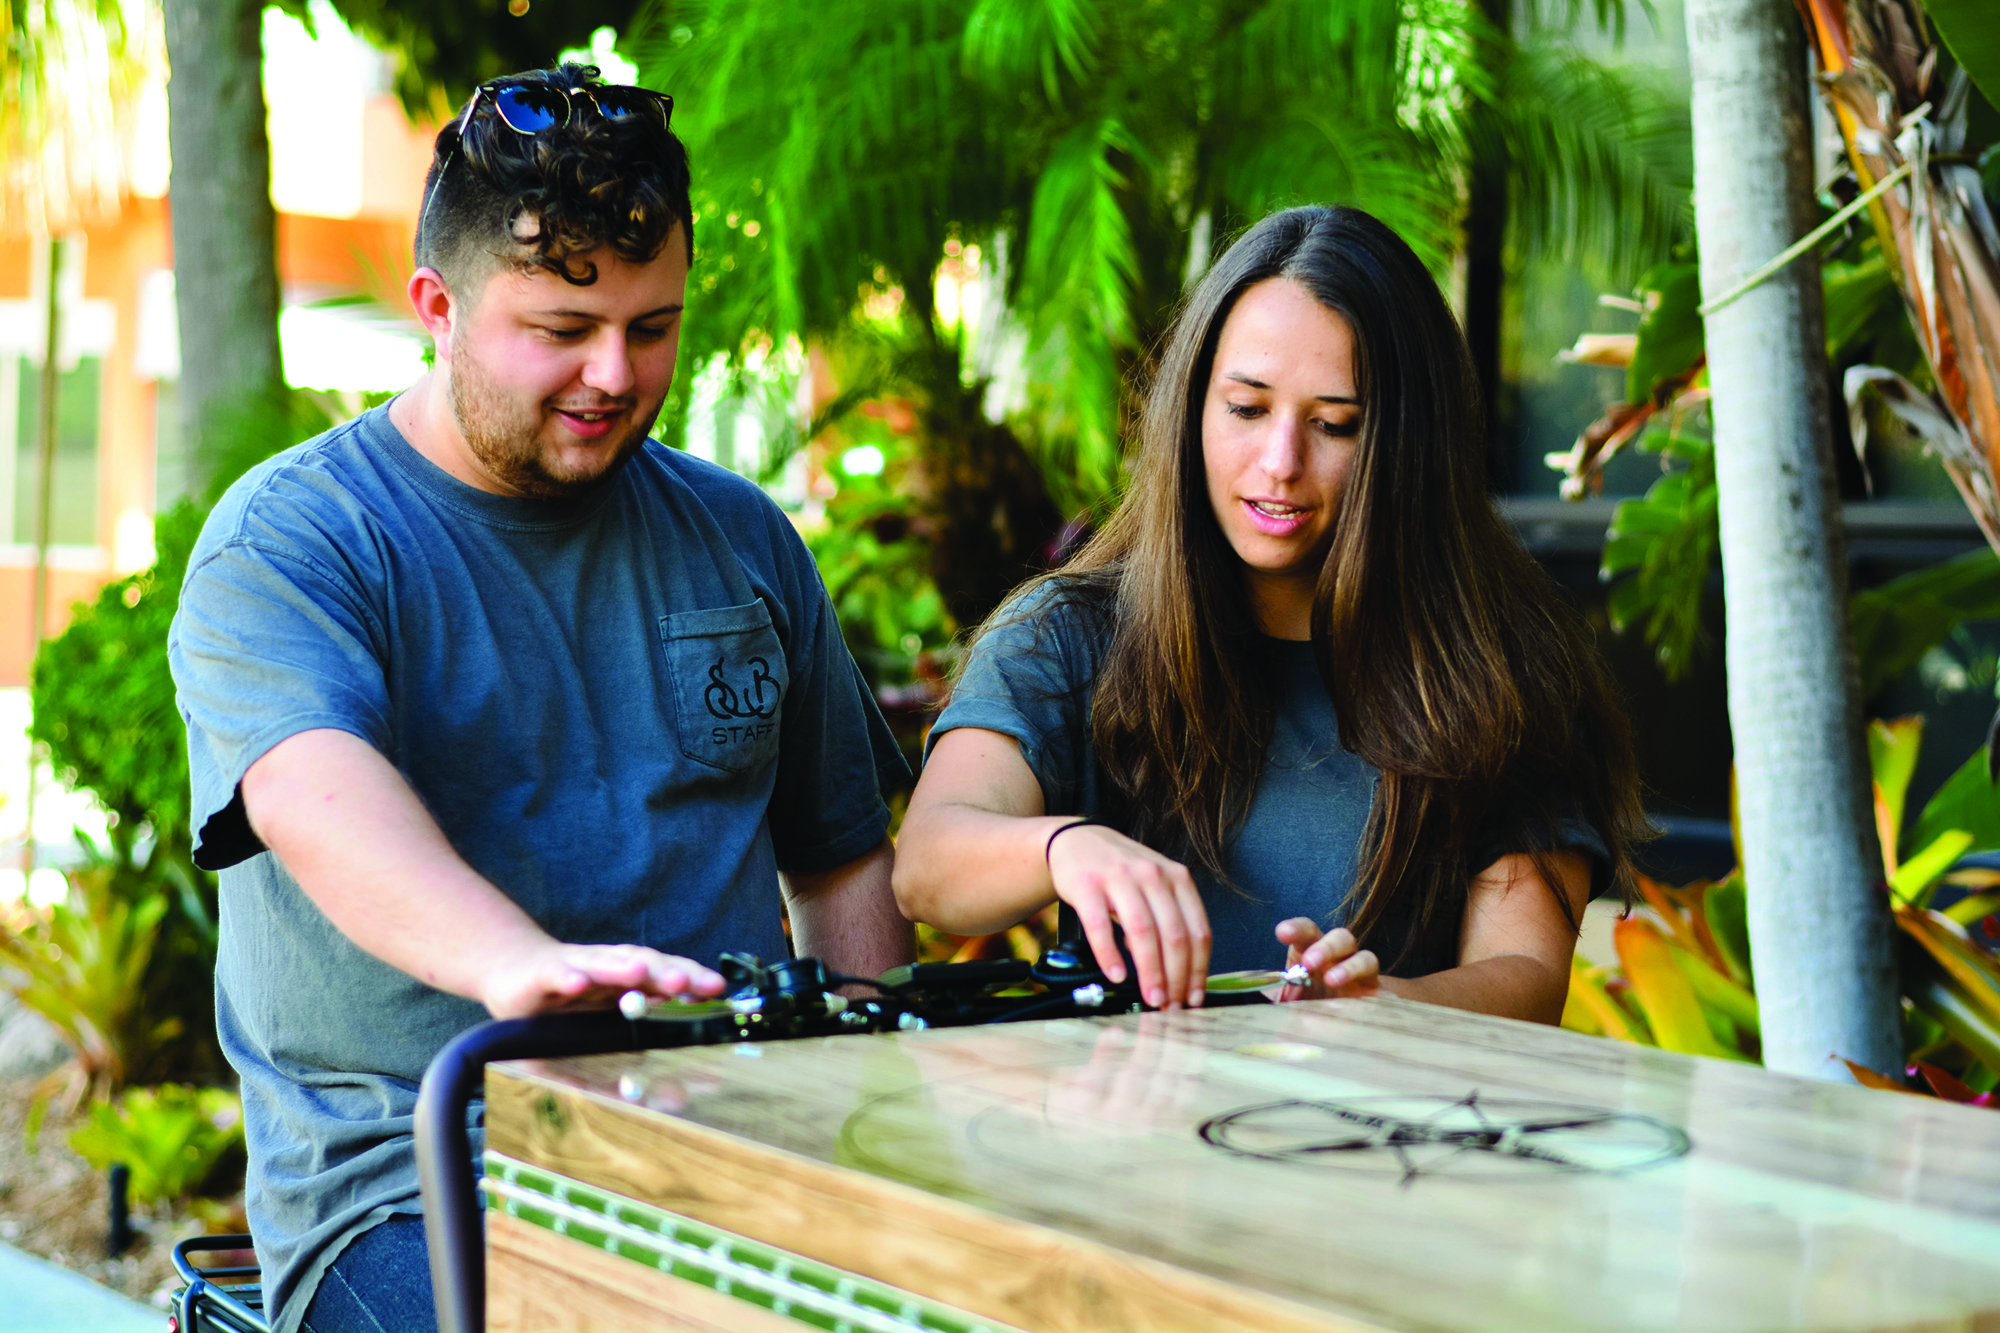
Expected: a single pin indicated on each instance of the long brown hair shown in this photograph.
(1454, 664)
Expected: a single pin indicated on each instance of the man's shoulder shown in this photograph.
(316, 484)
(746, 519)
(723, 492)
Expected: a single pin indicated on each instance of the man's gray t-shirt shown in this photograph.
(628, 709)
(1296, 852)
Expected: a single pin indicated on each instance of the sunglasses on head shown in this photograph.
(531, 108)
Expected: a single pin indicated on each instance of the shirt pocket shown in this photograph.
(729, 682)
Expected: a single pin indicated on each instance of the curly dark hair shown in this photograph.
(561, 193)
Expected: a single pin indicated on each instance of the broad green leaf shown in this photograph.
(1726, 910)
(1670, 334)
(1897, 623)
(1578, 1015)
(1969, 912)
(1938, 994)
(1911, 883)
(1944, 942)
(1588, 992)
(1965, 801)
(1892, 759)
(1673, 1010)
(1970, 29)
(1718, 993)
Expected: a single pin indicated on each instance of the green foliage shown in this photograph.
(125, 968)
(443, 48)
(171, 1137)
(1599, 168)
(1897, 623)
(1968, 800)
(1866, 323)
(1968, 28)
(877, 566)
(1670, 331)
(104, 701)
(84, 965)
(1726, 911)
(1684, 980)
(1666, 542)
(1087, 144)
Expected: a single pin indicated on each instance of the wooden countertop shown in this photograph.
(1329, 1165)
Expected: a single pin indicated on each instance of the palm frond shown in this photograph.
(1078, 272)
(1599, 159)
(1010, 42)
(70, 73)
(1318, 157)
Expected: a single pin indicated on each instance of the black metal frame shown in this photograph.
(206, 1305)
(453, 1234)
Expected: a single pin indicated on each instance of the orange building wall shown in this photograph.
(17, 261)
(370, 253)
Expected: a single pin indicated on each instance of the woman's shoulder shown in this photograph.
(1066, 616)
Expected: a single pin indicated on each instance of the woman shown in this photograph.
(1305, 675)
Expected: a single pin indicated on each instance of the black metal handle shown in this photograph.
(452, 1231)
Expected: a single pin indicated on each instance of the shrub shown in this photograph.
(171, 1137)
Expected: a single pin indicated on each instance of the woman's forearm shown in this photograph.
(1509, 986)
(970, 871)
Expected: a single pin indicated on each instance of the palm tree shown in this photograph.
(1818, 927)
(225, 227)
(1102, 149)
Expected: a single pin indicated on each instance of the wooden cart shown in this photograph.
(1338, 1165)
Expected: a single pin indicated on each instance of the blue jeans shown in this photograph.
(381, 1283)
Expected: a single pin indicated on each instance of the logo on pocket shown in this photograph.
(726, 702)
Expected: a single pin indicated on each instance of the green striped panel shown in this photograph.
(802, 1289)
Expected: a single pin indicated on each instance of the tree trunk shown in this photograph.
(225, 229)
(1819, 927)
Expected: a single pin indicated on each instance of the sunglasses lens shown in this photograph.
(530, 109)
(626, 103)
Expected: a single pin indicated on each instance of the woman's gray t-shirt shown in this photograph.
(1296, 852)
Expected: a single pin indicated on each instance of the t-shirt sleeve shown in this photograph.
(837, 758)
(267, 643)
(1028, 677)
(1566, 831)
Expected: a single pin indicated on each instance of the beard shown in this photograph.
(505, 433)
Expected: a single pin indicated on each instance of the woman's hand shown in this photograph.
(1107, 877)
(1340, 968)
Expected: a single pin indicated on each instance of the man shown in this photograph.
(496, 707)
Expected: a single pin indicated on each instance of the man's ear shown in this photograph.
(437, 309)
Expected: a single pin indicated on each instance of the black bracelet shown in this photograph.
(1074, 823)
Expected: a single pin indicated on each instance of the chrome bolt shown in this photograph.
(1087, 997)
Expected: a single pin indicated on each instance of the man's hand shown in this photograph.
(364, 849)
(554, 977)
